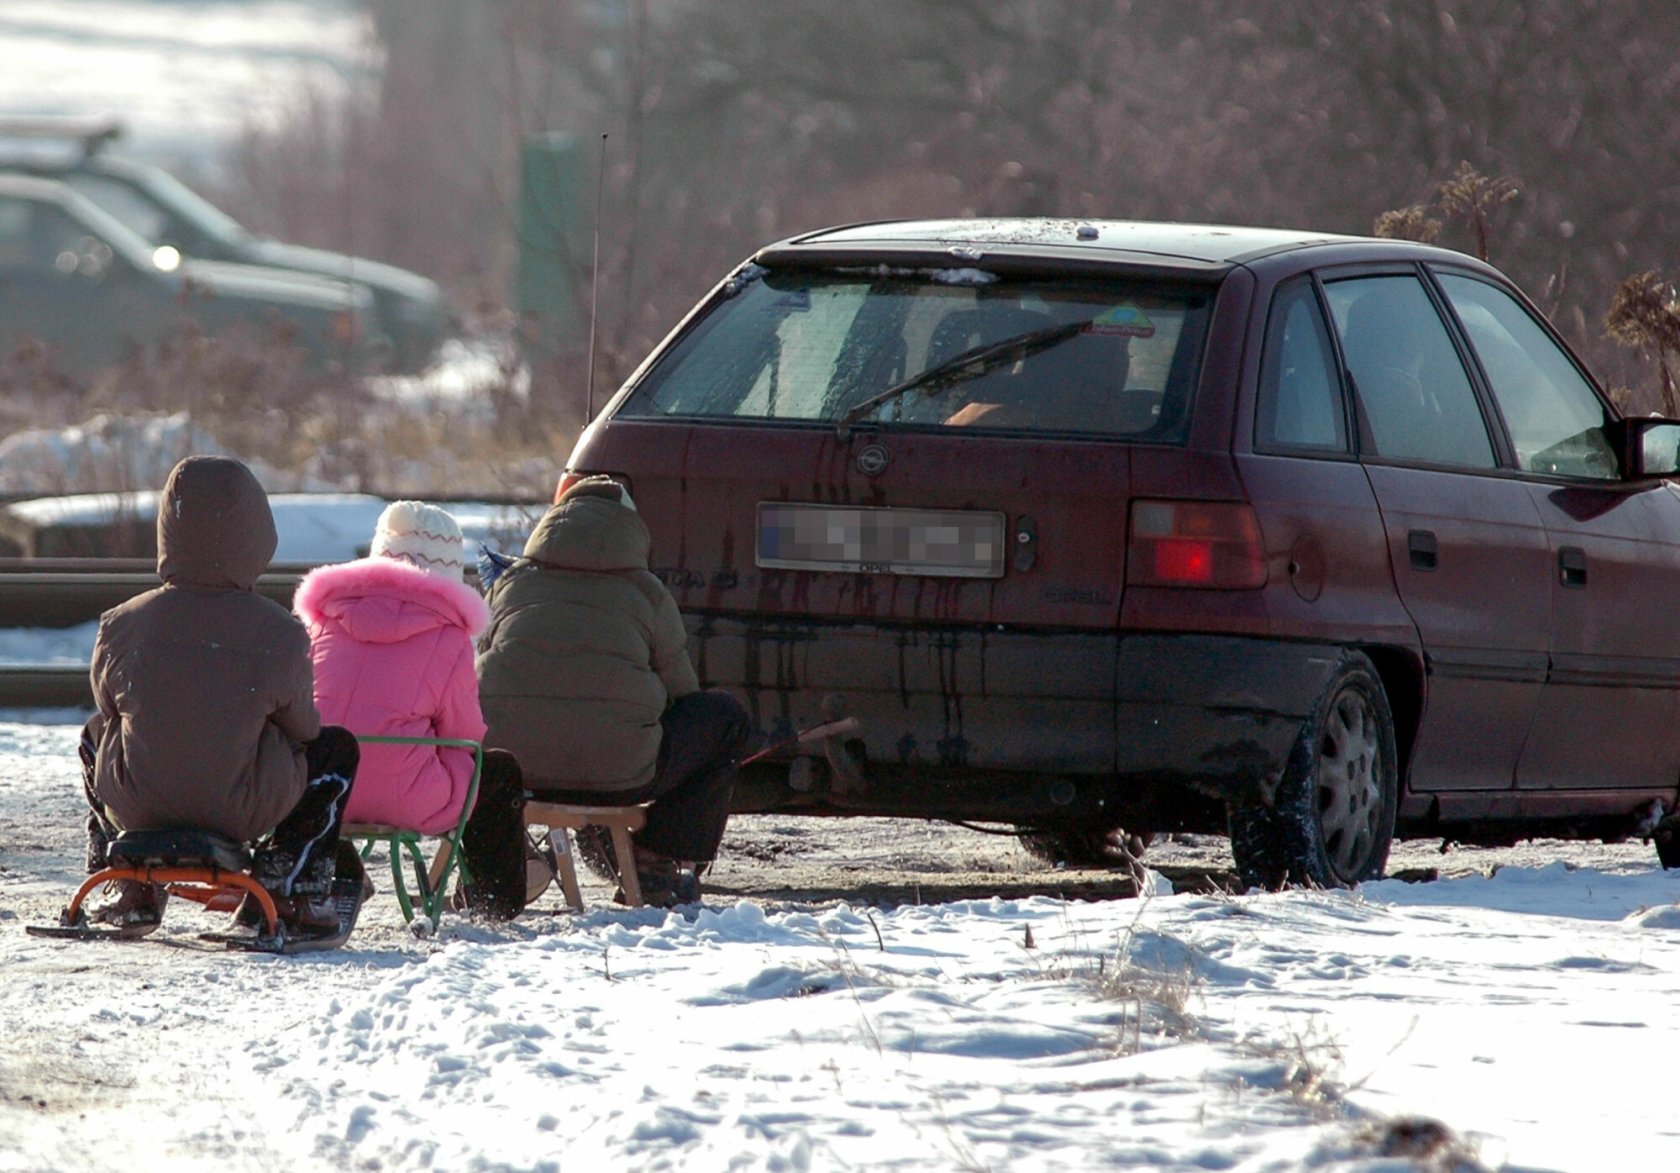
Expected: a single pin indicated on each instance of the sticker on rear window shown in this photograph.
(794, 301)
(1125, 320)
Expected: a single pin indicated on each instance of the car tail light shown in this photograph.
(572, 476)
(1195, 544)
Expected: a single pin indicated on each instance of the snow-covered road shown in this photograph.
(1529, 1011)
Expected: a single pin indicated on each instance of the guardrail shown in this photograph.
(31, 687)
(63, 592)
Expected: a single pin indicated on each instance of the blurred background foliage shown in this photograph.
(730, 123)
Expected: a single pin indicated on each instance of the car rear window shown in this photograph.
(1112, 357)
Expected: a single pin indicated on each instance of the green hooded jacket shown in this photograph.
(585, 649)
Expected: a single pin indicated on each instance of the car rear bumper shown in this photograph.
(1008, 724)
(1217, 713)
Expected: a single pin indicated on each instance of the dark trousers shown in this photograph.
(705, 733)
(493, 845)
(299, 856)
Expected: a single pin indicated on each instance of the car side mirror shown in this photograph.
(1649, 447)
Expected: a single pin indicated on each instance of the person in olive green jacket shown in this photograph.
(584, 676)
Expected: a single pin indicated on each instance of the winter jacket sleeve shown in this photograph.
(487, 637)
(670, 647)
(99, 676)
(295, 712)
(459, 714)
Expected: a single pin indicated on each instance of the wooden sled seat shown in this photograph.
(560, 817)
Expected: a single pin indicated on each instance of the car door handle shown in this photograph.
(1421, 549)
(1572, 566)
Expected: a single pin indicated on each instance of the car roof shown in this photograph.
(55, 144)
(60, 165)
(1207, 247)
(34, 187)
(89, 132)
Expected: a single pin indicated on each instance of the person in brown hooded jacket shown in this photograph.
(584, 675)
(205, 711)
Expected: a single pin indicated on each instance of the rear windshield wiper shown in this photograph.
(970, 364)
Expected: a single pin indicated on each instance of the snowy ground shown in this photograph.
(181, 73)
(1529, 1011)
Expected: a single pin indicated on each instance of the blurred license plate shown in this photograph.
(956, 543)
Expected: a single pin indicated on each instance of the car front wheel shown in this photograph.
(1332, 819)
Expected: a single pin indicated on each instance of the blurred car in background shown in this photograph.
(410, 314)
(79, 282)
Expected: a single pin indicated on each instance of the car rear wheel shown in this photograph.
(1332, 819)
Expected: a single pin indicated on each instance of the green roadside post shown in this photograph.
(551, 259)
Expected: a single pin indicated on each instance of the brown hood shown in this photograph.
(214, 526)
(204, 688)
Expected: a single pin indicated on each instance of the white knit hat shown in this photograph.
(421, 535)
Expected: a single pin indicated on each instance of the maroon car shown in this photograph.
(1089, 525)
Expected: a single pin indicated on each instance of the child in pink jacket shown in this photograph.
(391, 636)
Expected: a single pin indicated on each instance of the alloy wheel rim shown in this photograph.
(1349, 782)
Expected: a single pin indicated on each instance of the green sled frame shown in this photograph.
(431, 880)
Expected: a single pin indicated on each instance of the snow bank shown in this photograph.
(313, 527)
(115, 453)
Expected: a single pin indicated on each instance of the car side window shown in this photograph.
(123, 202)
(40, 238)
(1415, 400)
(1300, 408)
(1555, 418)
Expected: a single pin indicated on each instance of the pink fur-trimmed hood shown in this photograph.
(392, 648)
(382, 600)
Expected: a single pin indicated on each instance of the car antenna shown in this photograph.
(595, 278)
(356, 325)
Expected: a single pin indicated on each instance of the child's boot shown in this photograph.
(129, 904)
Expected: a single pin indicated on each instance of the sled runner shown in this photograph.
(213, 871)
(349, 889)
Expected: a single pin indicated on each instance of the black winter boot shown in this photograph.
(665, 882)
(494, 846)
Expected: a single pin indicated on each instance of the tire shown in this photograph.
(1085, 846)
(1332, 819)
